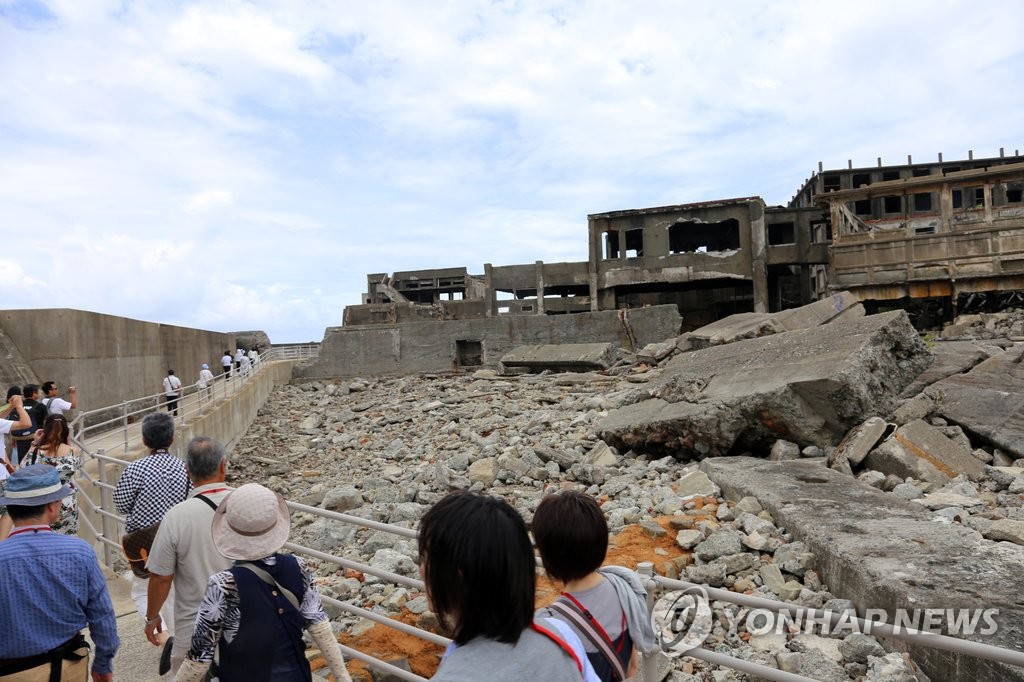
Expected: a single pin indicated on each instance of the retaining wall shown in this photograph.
(434, 346)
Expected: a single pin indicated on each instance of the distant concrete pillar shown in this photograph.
(540, 287)
(489, 294)
(758, 257)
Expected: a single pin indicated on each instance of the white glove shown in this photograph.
(323, 635)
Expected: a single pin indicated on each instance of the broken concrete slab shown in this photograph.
(564, 357)
(885, 553)
(892, 458)
(951, 357)
(987, 401)
(809, 387)
(654, 353)
(951, 457)
(856, 445)
(753, 325)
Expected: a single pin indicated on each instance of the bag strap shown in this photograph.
(560, 642)
(269, 579)
(591, 629)
(207, 500)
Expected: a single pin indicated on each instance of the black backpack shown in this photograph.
(36, 412)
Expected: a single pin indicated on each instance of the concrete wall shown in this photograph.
(108, 358)
(433, 346)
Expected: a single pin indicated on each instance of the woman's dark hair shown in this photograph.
(13, 391)
(571, 534)
(478, 566)
(55, 433)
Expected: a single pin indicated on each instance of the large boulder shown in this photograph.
(808, 386)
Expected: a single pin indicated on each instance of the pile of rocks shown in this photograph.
(1007, 324)
(385, 449)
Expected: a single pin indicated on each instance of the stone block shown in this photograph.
(809, 386)
(924, 441)
(564, 357)
(856, 445)
(881, 552)
(891, 458)
(987, 401)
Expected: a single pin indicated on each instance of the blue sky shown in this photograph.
(235, 165)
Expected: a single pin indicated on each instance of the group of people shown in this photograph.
(215, 586)
(480, 574)
(241, 361)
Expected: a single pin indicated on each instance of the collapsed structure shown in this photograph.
(935, 237)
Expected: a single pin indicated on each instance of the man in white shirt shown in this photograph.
(172, 386)
(225, 362)
(205, 379)
(55, 405)
(183, 554)
(6, 426)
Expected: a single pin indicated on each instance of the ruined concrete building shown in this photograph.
(936, 238)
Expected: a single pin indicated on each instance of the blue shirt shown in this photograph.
(52, 588)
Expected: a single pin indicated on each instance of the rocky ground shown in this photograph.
(386, 449)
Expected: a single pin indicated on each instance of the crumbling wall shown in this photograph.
(434, 346)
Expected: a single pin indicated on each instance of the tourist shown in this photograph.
(183, 553)
(148, 487)
(480, 574)
(606, 607)
(38, 412)
(52, 446)
(53, 588)
(15, 406)
(253, 614)
(172, 390)
(225, 362)
(54, 403)
(205, 379)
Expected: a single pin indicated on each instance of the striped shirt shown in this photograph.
(149, 487)
(52, 588)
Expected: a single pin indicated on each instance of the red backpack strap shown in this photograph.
(560, 642)
(575, 613)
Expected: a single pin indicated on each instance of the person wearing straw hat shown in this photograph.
(53, 588)
(254, 612)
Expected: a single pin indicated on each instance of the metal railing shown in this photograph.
(111, 525)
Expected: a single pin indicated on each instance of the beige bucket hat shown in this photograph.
(250, 523)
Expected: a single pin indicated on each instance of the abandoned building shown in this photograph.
(943, 237)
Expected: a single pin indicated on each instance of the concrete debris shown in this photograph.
(951, 456)
(856, 445)
(808, 386)
(950, 357)
(987, 401)
(567, 357)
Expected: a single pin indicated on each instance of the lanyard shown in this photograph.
(34, 529)
(210, 492)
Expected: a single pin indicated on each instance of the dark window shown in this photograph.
(611, 245)
(921, 172)
(861, 180)
(469, 353)
(979, 197)
(893, 204)
(831, 183)
(781, 233)
(690, 237)
(862, 207)
(634, 243)
(1014, 194)
(958, 198)
(890, 175)
(929, 229)
(923, 202)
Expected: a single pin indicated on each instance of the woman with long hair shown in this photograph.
(480, 573)
(52, 445)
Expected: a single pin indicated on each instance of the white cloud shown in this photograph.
(245, 164)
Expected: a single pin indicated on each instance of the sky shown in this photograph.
(233, 165)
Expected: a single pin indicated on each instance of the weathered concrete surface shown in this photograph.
(433, 346)
(951, 357)
(949, 456)
(881, 552)
(809, 387)
(565, 357)
(988, 401)
(108, 358)
(856, 445)
(754, 325)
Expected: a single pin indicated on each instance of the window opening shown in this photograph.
(861, 180)
(862, 207)
(694, 237)
(611, 245)
(923, 202)
(1014, 194)
(634, 243)
(890, 175)
(781, 233)
(831, 183)
(892, 204)
(469, 353)
(927, 229)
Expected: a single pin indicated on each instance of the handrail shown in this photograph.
(112, 523)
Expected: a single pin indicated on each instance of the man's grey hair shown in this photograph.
(158, 430)
(204, 457)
